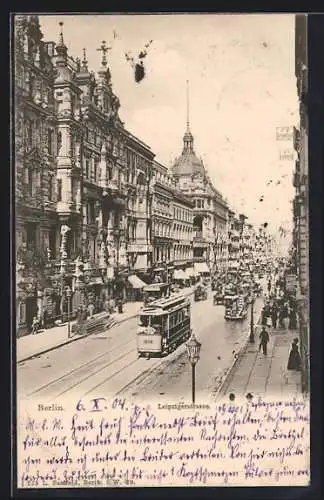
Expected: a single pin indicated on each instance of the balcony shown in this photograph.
(139, 248)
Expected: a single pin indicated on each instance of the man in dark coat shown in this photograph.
(274, 316)
(264, 339)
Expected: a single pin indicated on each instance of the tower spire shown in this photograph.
(187, 138)
(188, 122)
(85, 61)
(61, 40)
(61, 49)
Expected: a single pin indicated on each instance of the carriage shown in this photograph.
(163, 326)
(219, 296)
(200, 293)
(235, 307)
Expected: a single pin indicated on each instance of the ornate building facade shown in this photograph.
(234, 241)
(301, 201)
(37, 222)
(83, 182)
(162, 221)
(210, 208)
(182, 231)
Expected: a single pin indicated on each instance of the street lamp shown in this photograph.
(193, 350)
(68, 296)
(252, 320)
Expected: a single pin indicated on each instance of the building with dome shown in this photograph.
(210, 232)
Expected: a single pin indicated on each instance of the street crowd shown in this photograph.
(279, 312)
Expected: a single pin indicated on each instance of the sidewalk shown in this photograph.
(30, 346)
(262, 375)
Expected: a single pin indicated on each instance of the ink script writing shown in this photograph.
(100, 443)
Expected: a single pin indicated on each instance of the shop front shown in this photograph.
(134, 288)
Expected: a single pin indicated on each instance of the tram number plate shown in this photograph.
(148, 342)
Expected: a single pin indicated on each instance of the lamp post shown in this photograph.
(193, 350)
(68, 296)
(252, 320)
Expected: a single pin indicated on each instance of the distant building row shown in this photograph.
(93, 207)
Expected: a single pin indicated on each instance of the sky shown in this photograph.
(241, 86)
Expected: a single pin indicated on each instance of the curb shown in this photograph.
(240, 354)
(69, 341)
(74, 339)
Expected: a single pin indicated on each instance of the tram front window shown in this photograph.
(144, 320)
(150, 321)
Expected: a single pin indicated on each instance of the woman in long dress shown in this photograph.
(294, 361)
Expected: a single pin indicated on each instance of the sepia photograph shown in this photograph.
(161, 249)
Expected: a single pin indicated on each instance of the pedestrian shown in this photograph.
(91, 309)
(281, 317)
(263, 317)
(35, 325)
(274, 316)
(269, 287)
(294, 361)
(292, 320)
(264, 339)
(120, 306)
(111, 305)
(45, 319)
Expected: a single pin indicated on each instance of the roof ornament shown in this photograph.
(104, 49)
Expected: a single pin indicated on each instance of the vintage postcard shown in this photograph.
(161, 248)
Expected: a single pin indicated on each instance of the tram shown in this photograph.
(163, 326)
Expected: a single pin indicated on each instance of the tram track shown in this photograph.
(85, 366)
(119, 376)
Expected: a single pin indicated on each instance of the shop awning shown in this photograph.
(179, 275)
(201, 268)
(190, 272)
(136, 282)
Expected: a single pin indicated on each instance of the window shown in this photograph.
(31, 236)
(29, 133)
(52, 242)
(50, 188)
(87, 168)
(50, 135)
(29, 180)
(95, 173)
(59, 189)
(91, 213)
(59, 143)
